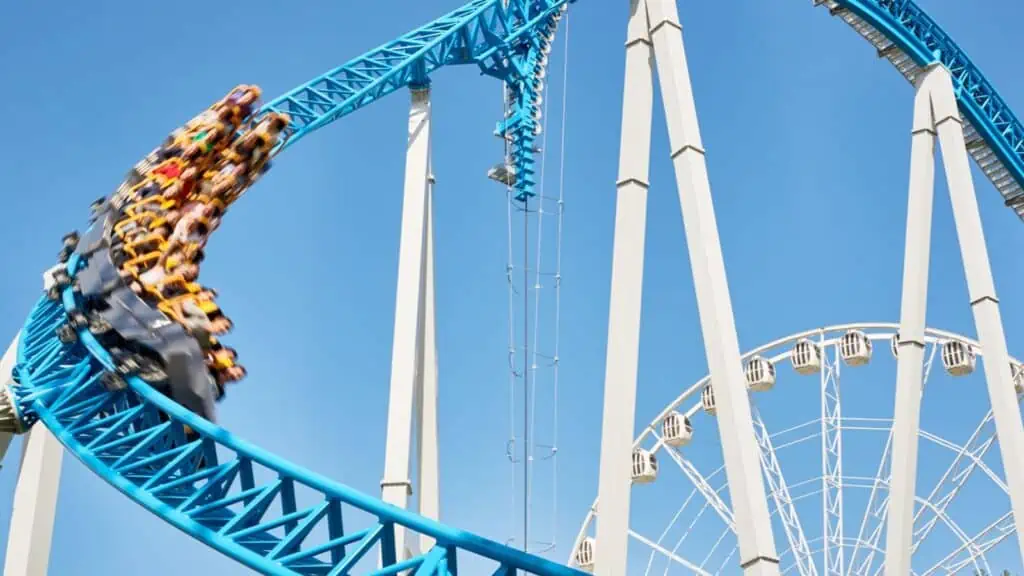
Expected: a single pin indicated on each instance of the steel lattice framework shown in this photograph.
(233, 496)
(244, 502)
(857, 554)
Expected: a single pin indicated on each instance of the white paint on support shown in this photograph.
(981, 290)
(910, 360)
(35, 505)
(718, 326)
(428, 481)
(408, 335)
(654, 31)
(614, 482)
(7, 363)
(833, 550)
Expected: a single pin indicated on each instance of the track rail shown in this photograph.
(911, 40)
(252, 506)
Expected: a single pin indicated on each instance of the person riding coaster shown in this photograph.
(142, 340)
(140, 263)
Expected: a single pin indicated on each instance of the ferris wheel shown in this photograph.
(824, 431)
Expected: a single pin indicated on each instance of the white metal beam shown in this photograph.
(701, 484)
(981, 290)
(7, 363)
(833, 550)
(408, 342)
(718, 326)
(614, 480)
(35, 505)
(428, 474)
(783, 501)
(910, 360)
(954, 478)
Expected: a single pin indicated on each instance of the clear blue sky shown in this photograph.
(807, 135)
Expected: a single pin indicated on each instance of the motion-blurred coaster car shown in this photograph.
(143, 341)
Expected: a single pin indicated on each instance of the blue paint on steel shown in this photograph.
(487, 34)
(503, 42)
(905, 24)
(245, 502)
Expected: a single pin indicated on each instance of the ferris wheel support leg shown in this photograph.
(718, 325)
(407, 347)
(982, 292)
(910, 360)
(428, 478)
(615, 480)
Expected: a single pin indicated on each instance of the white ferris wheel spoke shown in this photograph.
(878, 512)
(1002, 529)
(667, 554)
(702, 486)
(780, 494)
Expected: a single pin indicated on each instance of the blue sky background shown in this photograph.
(807, 135)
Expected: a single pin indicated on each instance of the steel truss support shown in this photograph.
(832, 462)
(34, 512)
(413, 393)
(783, 501)
(654, 30)
(936, 115)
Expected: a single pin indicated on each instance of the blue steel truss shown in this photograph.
(485, 33)
(268, 514)
(508, 43)
(917, 35)
(273, 516)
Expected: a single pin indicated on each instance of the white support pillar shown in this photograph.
(7, 363)
(615, 481)
(910, 360)
(35, 505)
(739, 445)
(408, 336)
(428, 475)
(981, 290)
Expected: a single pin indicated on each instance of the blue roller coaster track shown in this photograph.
(277, 518)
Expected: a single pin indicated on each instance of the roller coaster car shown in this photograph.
(154, 204)
(144, 221)
(149, 243)
(97, 205)
(70, 239)
(142, 340)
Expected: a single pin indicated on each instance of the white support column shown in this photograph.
(428, 477)
(981, 290)
(35, 505)
(910, 360)
(7, 363)
(408, 342)
(615, 481)
(739, 445)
